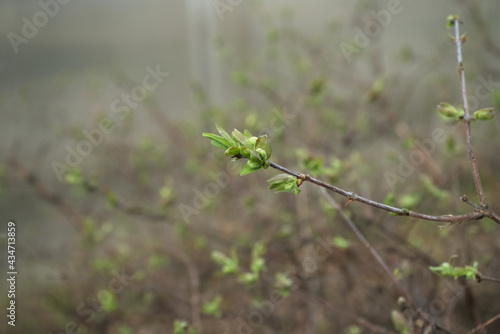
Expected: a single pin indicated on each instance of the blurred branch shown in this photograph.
(481, 327)
(140, 211)
(45, 193)
(373, 328)
(372, 250)
(194, 282)
(408, 299)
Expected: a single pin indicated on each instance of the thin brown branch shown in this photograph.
(467, 117)
(480, 277)
(373, 328)
(194, 282)
(473, 215)
(380, 260)
(372, 250)
(483, 325)
(141, 212)
(471, 301)
(46, 194)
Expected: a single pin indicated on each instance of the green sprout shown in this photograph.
(446, 269)
(256, 149)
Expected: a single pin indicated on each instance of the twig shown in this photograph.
(46, 194)
(194, 282)
(483, 325)
(372, 250)
(141, 212)
(474, 215)
(373, 328)
(467, 118)
(480, 277)
(383, 264)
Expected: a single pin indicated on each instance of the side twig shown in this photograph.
(484, 324)
(383, 264)
(372, 250)
(467, 117)
(46, 194)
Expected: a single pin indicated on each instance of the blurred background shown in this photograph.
(127, 217)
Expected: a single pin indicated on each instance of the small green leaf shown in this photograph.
(248, 278)
(399, 322)
(229, 265)
(389, 199)
(353, 329)
(74, 177)
(252, 141)
(233, 150)
(410, 201)
(484, 114)
(250, 167)
(219, 257)
(246, 152)
(213, 307)
(447, 110)
(258, 265)
(247, 133)
(259, 249)
(166, 192)
(280, 178)
(241, 138)
(157, 261)
(217, 141)
(377, 90)
(284, 182)
(340, 242)
(318, 85)
(111, 199)
(108, 300)
(125, 330)
(264, 143)
(451, 20)
(241, 78)
(256, 157)
(283, 283)
(225, 135)
(180, 327)
(432, 188)
(446, 269)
